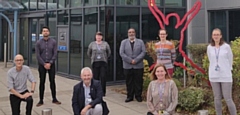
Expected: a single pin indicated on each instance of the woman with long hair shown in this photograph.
(220, 71)
(162, 94)
(165, 51)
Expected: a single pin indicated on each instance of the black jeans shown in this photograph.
(99, 73)
(42, 75)
(134, 82)
(16, 102)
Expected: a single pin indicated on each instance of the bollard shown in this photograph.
(5, 55)
(203, 112)
(47, 111)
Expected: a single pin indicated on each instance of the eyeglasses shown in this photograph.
(19, 60)
(131, 32)
(162, 34)
(216, 34)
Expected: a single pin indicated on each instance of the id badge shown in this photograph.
(98, 57)
(217, 68)
(160, 112)
(89, 100)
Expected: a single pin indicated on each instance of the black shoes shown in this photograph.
(139, 99)
(40, 103)
(128, 100)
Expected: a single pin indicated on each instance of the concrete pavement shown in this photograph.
(115, 101)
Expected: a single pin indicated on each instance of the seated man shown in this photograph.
(87, 95)
(17, 85)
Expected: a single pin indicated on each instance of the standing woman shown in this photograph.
(99, 51)
(220, 72)
(162, 94)
(165, 51)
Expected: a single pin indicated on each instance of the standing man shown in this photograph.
(17, 85)
(132, 51)
(46, 52)
(87, 95)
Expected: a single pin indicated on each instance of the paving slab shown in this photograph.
(64, 89)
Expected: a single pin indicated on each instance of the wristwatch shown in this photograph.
(32, 91)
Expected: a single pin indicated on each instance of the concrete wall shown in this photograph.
(197, 29)
(222, 4)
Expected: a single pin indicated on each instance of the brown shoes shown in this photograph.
(40, 103)
(56, 102)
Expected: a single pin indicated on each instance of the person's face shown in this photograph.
(160, 73)
(131, 34)
(18, 61)
(216, 36)
(86, 76)
(162, 35)
(99, 37)
(45, 32)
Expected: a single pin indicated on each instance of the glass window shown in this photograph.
(63, 3)
(126, 18)
(24, 39)
(62, 17)
(107, 28)
(218, 20)
(90, 2)
(52, 23)
(174, 2)
(52, 4)
(75, 41)
(145, 2)
(174, 34)
(234, 25)
(76, 3)
(150, 26)
(42, 5)
(127, 2)
(32, 5)
(107, 2)
(90, 28)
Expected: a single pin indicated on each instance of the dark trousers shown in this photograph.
(99, 73)
(16, 102)
(42, 75)
(149, 113)
(134, 82)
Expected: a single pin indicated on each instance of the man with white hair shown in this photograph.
(17, 85)
(87, 95)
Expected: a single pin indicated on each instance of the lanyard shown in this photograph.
(217, 54)
(161, 48)
(161, 90)
(99, 48)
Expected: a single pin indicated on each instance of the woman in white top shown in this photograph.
(220, 72)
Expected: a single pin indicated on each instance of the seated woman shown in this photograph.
(162, 95)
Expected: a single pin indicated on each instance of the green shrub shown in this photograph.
(191, 99)
(197, 51)
(177, 82)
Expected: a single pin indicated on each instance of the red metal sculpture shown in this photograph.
(162, 19)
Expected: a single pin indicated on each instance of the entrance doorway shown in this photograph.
(35, 34)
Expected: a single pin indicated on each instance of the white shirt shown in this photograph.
(225, 61)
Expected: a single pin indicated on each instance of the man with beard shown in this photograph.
(132, 51)
(46, 52)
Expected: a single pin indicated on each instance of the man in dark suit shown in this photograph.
(132, 51)
(87, 95)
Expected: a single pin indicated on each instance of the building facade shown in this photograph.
(75, 22)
